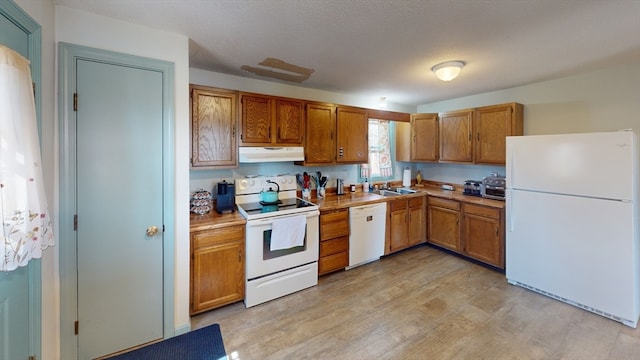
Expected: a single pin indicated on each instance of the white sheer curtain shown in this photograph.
(26, 224)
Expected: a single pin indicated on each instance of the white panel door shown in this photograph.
(119, 196)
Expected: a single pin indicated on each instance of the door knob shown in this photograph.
(152, 230)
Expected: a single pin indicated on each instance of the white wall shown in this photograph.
(82, 28)
(603, 100)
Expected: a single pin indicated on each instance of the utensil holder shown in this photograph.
(306, 193)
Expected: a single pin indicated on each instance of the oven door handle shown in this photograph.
(269, 220)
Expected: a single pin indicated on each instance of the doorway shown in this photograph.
(20, 290)
(116, 199)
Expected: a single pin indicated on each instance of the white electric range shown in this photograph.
(272, 273)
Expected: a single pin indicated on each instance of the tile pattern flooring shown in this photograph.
(421, 303)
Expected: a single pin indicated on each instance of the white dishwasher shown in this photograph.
(366, 242)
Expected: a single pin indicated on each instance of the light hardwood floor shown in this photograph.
(419, 304)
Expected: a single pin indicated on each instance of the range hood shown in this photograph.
(249, 154)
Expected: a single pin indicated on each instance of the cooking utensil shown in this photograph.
(270, 196)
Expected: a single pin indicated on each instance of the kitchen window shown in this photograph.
(381, 162)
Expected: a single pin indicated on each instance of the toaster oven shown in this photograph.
(493, 187)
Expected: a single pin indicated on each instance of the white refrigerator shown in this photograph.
(572, 220)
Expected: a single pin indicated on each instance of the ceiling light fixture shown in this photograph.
(382, 103)
(448, 71)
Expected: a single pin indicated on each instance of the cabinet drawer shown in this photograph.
(416, 201)
(334, 224)
(203, 239)
(333, 262)
(445, 203)
(396, 205)
(333, 246)
(484, 211)
(334, 216)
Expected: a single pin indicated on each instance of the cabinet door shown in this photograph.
(424, 137)
(256, 119)
(289, 122)
(444, 223)
(417, 226)
(217, 268)
(398, 238)
(320, 127)
(352, 145)
(213, 127)
(455, 129)
(492, 125)
(483, 238)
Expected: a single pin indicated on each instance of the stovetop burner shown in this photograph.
(265, 203)
(283, 204)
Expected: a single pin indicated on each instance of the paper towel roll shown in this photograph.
(406, 178)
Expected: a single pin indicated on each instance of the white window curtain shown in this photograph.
(380, 164)
(26, 224)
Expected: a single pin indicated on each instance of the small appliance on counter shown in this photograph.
(201, 202)
(225, 197)
(472, 187)
(339, 187)
(493, 186)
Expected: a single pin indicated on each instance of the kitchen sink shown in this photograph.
(386, 193)
(404, 191)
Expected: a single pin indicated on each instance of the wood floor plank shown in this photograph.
(419, 304)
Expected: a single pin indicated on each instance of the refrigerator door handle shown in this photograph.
(509, 209)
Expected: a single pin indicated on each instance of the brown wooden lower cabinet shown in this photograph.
(444, 223)
(217, 267)
(475, 231)
(483, 234)
(406, 220)
(334, 241)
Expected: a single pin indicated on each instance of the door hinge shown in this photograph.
(75, 327)
(162, 227)
(75, 101)
(75, 222)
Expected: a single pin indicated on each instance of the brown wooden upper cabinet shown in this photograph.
(417, 140)
(492, 125)
(269, 120)
(424, 137)
(335, 135)
(456, 135)
(320, 138)
(352, 140)
(213, 127)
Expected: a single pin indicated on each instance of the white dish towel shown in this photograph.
(288, 232)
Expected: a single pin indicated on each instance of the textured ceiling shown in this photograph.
(386, 48)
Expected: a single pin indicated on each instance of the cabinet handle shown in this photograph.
(269, 132)
(469, 134)
(233, 131)
(478, 137)
(497, 231)
(414, 139)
